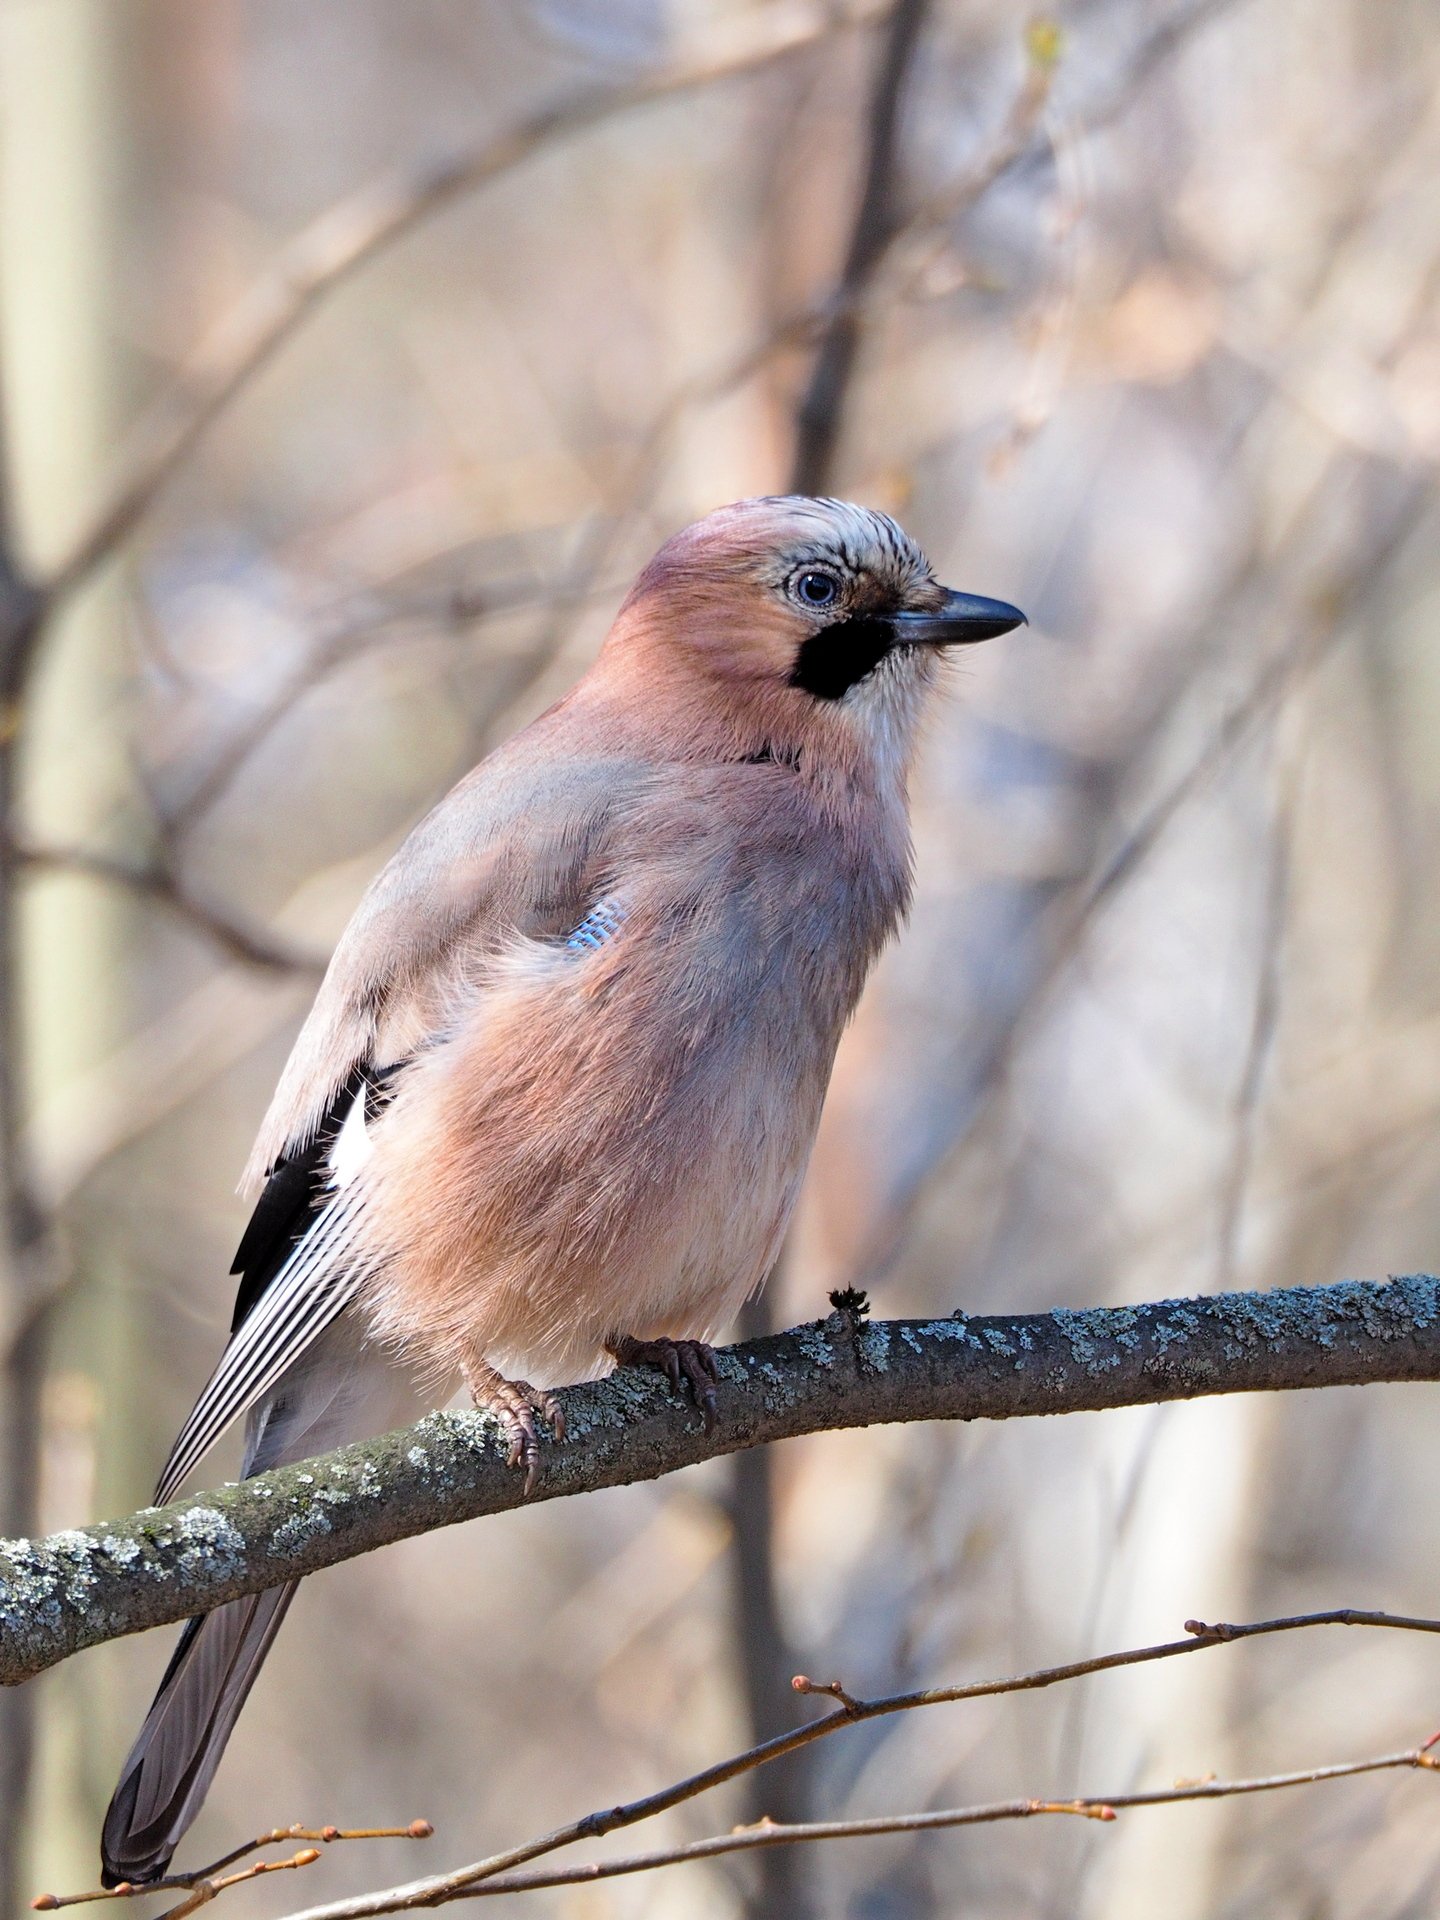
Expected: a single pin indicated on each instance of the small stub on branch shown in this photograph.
(831, 1689)
(851, 1303)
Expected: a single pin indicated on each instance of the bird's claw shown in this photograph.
(515, 1404)
(681, 1361)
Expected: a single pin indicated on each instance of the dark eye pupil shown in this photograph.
(818, 589)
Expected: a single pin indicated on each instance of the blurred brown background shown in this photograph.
(1153, 349)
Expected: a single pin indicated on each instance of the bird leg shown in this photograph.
(678, 1360)
(515, 1403)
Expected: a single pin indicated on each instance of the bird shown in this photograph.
(552, 1106)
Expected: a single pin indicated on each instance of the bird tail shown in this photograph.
(168, 1771)
(340, 1389)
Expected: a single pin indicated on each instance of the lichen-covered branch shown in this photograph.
(78, 1588)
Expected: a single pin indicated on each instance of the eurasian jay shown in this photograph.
(555, 1098)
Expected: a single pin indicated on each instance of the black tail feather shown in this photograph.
(176, 1752)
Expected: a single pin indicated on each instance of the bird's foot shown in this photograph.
(679, 1361)
(515, 1404)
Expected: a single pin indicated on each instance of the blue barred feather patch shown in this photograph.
(602, 923)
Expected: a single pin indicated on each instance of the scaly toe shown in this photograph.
(515, 1403)
(546, 1405)
(681, 1361)
(698, 1362)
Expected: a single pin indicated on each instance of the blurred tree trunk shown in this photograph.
(765, 1664)
(764, 1659)
(61, 983)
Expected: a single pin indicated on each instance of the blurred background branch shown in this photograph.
(497, 1874)
(768, 1834)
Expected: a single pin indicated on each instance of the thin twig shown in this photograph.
(207, 1890)
(764, 1834)
(208, 1881)
(497, 1873)
(771, 1834)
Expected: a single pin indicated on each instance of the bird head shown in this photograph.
(804, 621)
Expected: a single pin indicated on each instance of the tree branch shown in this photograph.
(496, 1874)
(769, 1833)
(89, 1585)
(818, 417)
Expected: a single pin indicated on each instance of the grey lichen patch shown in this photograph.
(211, 1549)
(48, 1578)
(1387, 1310)
(1090, 1336)
(583, 1420)
(1178, 1327)
(1323, 1316)
(28, 1597)
(1266, 1320)
(629, 1395)
(812, 1341)
(459, 1429)
(732, 1367)
(298, 1530)
(956, 1328)
(442, 1453)
(1125, 1327)
(72, 1545)
(1419, 1294)
(779, 1392)
(333, 1496)
(873, 1346)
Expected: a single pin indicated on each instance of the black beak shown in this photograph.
(963, 619)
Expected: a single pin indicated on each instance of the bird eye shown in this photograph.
(816, 588)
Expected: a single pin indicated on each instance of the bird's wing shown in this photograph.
(295, 1276)
(314, 1283)
(509, 851)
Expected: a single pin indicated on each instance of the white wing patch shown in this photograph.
(319, 1279)
(352, 1146)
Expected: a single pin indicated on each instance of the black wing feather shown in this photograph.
(296, 1189)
